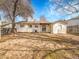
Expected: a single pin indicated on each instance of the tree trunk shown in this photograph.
(13, 26)
(13, 20)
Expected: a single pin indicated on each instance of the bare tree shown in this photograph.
(67, 6)
(14, 8)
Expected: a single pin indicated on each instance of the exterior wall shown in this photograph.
(8, 26)
(26, 28)
(59, 28)
(38, 29)
(48, 28)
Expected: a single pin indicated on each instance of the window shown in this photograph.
(30, 25)
(36, 26)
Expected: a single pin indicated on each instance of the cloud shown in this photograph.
(63, 11)
(64, 7)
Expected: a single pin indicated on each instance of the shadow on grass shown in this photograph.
(43, 37)
(58, 39)
(76, 34)
(65, 49)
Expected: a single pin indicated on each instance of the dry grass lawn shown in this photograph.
(38, 46)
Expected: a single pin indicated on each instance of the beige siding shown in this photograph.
(36, 27)
(59, 28)
(48, 28)
(25, 28)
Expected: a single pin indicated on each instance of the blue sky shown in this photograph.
(47, 8)
(51, 10)
(39, 7)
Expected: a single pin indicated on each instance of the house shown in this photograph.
(59, 27)
(34, 26)
(66, 26)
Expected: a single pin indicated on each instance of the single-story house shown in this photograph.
(40, 26)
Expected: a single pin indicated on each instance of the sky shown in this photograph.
(47, 8)
(52, 11)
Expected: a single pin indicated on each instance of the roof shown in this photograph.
(74, 18)
(43, 21)
(66, 21)
(61, 21)
(24, 22)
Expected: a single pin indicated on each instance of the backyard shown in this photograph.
(39, 29)
(39, 46)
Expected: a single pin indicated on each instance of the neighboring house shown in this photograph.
(66, 26)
